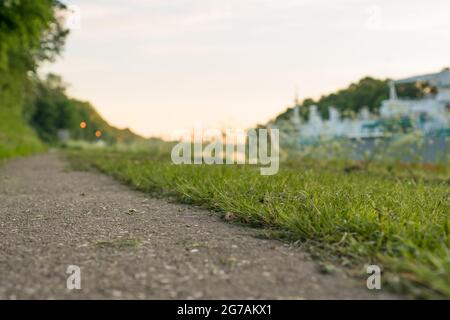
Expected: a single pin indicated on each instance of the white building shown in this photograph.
(432, 112)
(426, 115)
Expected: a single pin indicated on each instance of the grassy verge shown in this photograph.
(16, 139)
(351, 217)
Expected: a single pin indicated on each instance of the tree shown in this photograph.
(30, 32)
(52, 110)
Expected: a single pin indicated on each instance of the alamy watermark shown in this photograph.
(374, 280)
(73, 17)
(374, 18)
(255, 146)
(74, 278)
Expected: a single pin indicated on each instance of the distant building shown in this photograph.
(430, 113)
(426, 115)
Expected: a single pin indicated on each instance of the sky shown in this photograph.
(160, 66)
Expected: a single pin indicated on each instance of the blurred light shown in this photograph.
(83, 125)
(98, 133)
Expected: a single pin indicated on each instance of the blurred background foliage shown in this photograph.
(30, 33)
(33, 110)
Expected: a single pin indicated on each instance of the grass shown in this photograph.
(16, 138)
(395, 217)
(118, 243)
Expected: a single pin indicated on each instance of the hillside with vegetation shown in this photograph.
(49, 110)
(366, 93)
(30, 33)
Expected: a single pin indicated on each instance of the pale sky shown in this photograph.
(157, 66)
